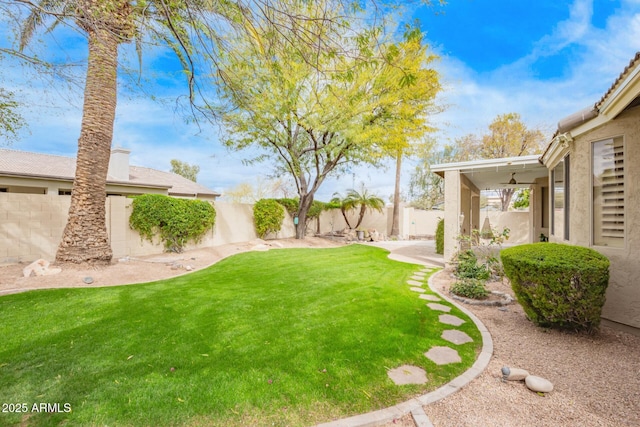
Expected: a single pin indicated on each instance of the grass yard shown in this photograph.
(285, 337)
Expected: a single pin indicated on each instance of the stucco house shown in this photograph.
(585, 190)
(36, 173)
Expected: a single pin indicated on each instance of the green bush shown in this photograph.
(268, 215)
(440, 237)
(560, 286)
(468, 267)
(470, 288)
(176, 220)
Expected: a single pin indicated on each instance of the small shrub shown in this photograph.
(468, 267)
(470, 288)
(440, 237)
(561, 286)
(268, 215)
(177, 221)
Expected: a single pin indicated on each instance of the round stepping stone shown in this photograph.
(430, 297)
(449, 319)
(443, 355)
(414, 289)
(407, 374)
(418, 278)
(538, 384)
(439, 307)
(414, 283)
(456, 337)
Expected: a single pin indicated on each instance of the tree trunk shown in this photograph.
(395, 222)
(85, 236)
(303, 208)
(505, 198)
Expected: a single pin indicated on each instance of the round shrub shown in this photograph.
(560, 286)
(440, 236)
(470, 288)
(267, 216)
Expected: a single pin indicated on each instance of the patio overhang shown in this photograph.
(492, 174)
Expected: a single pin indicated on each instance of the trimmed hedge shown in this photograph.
(560, 286)
(440, 237)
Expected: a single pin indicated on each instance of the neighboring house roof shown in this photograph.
(47, 166)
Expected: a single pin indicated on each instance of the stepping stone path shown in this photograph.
(449, 319)
(443, 355)
(439, 307)
(407, 374)
(456, 337)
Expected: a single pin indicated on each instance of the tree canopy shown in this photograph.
(508, 136)
(10, 121)
(185, 169)
(313, 111)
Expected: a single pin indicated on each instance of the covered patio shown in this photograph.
(463, 182)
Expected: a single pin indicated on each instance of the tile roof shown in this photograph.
(49, 166)
(621, 77)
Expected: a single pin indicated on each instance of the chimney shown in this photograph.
(119, 164)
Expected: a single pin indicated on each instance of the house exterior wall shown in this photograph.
(623, 293)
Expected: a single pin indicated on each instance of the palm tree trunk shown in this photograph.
(395, 222)
(85, 236)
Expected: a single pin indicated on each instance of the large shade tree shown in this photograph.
(311, 110)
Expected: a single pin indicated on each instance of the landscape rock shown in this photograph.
(88, 280)
(514, 374)
(538, 384)
(40, 268)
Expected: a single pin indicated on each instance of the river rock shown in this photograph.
(538, 384)
(514, 374)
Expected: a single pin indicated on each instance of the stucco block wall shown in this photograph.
(623, 294)
(31, 225)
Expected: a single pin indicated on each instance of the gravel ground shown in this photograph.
(596, 377)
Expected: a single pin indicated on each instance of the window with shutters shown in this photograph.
(608, 193)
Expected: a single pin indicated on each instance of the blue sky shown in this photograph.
(543, 60)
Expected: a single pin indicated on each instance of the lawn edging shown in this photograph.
(386, 415)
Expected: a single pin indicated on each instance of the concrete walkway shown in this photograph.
(423, 253)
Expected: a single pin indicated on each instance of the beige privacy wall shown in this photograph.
(31, 225)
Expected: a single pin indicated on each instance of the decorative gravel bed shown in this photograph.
(596, 378)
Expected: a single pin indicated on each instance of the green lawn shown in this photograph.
(285, 337)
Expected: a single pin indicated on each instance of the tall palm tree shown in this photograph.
(107, 24)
